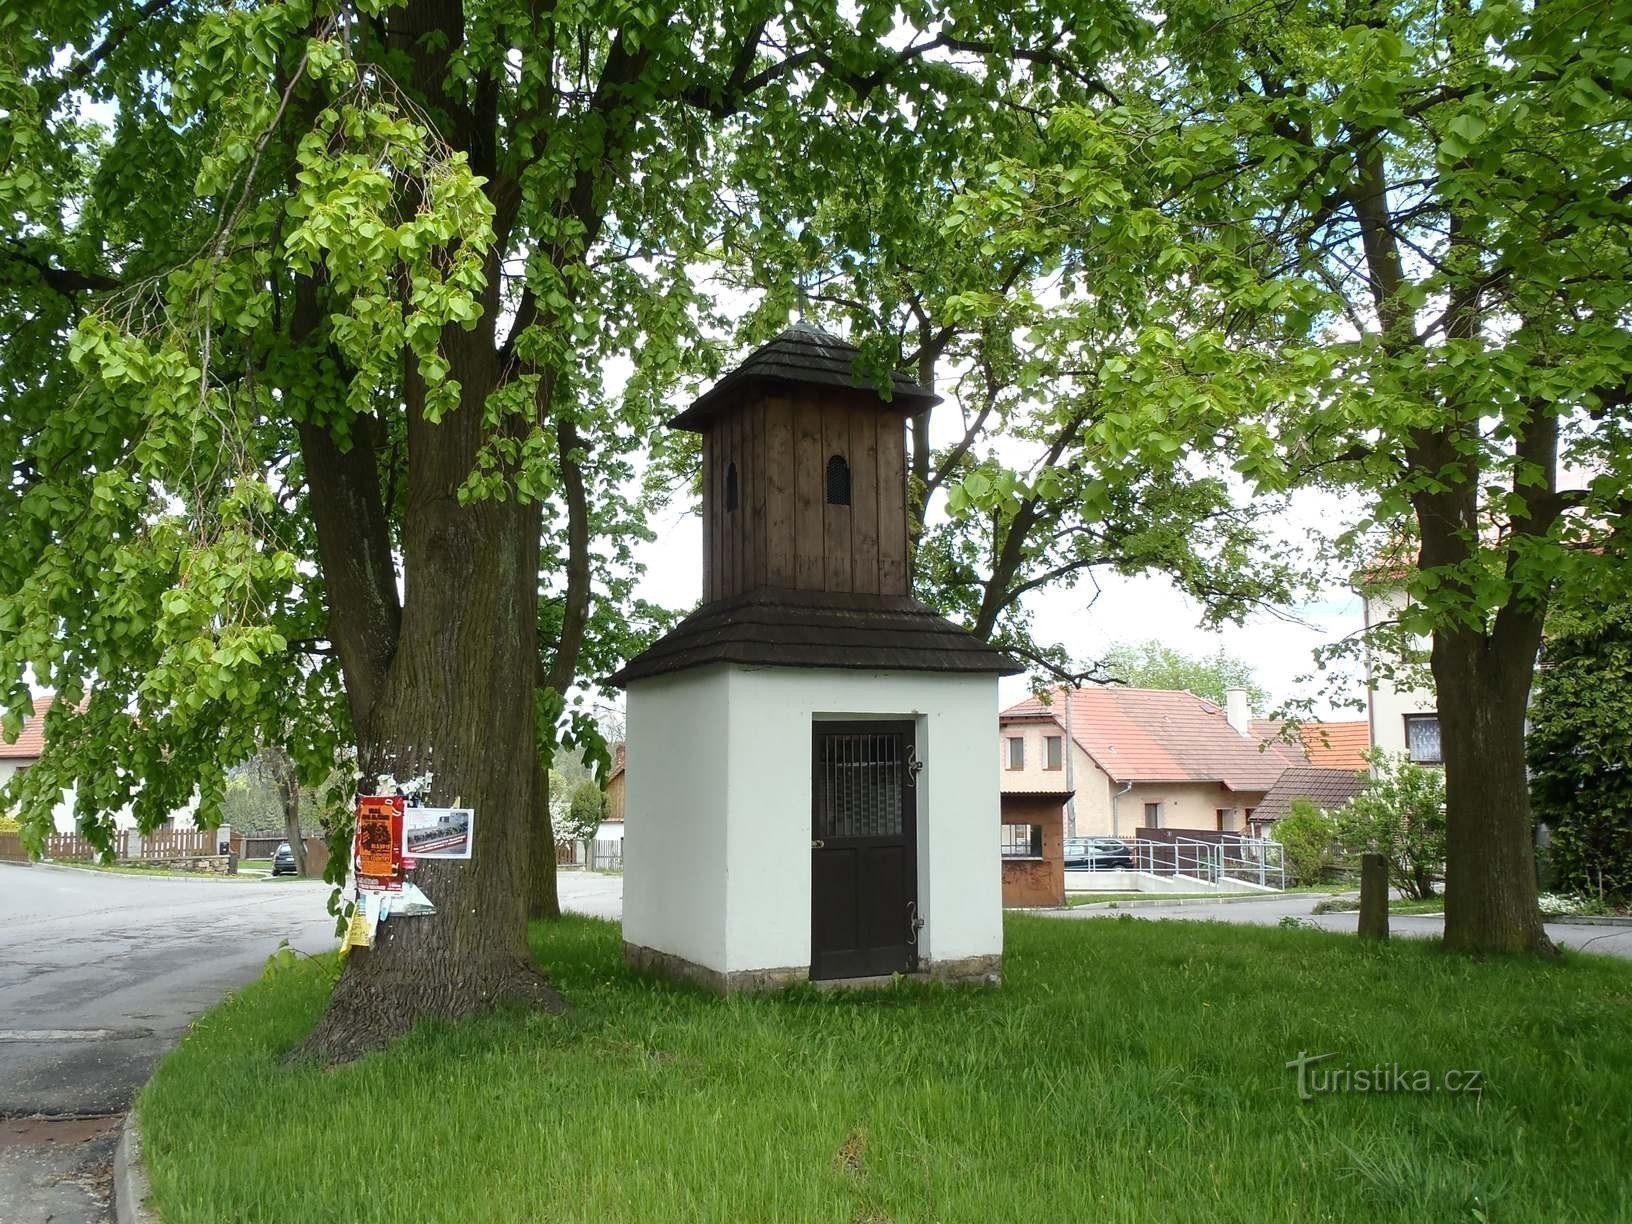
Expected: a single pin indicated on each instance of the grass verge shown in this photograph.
(1125, 1071)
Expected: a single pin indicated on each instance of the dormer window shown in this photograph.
(731, 487)
(838, 481)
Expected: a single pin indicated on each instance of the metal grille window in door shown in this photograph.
(860, 780)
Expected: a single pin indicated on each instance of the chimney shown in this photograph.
(1238, 711)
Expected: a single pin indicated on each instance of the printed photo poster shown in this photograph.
(438, 833)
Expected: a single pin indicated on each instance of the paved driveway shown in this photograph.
(1597, 937)
(99, 975)
(591, 892)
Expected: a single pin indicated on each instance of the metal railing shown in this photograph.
(1249, 860)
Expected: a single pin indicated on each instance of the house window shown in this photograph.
(1153, 815)
(1056, 751)
(731, 496)
(1017, 752)
(1422, 739)
(1222, 817)
(1022, 841)
(838, 481)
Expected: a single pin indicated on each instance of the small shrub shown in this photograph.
(1553, 903)
(1309, 837)
(1400, 815)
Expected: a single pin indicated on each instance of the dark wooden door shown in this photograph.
(864, 873)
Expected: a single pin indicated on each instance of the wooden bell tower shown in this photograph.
(804, 473)
(811, 791)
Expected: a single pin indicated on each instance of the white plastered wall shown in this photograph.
(1388, 704)
(674, 815)
(744, 749)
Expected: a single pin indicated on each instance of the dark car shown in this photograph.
(283, 861)
(1097, 854)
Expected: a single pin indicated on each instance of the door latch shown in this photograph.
(914, 923)
(817, 844)
(915, 764)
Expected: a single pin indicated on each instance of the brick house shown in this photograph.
(1033, 847)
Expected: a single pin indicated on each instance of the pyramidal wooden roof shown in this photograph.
(774, 627)
(802, 355)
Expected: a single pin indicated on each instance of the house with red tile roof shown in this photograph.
(1328, 789)
(25, 752)
(16, 757)
(1143, 758)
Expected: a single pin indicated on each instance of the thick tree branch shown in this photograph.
(66, 281)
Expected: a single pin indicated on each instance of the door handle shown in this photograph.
(817, 845)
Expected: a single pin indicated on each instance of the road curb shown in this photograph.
(1223, 899)
(1587, 920)
(130, 1188)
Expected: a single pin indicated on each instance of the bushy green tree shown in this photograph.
(331, 331)
(1156, 665)
(1580, 749)
(585, 812)
(1400, 815)
(1309, 837)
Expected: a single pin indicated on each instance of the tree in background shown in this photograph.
(1438, 200)
(1309, 838)
(1154, 665)
(1400, 815)
(584, 813)
(1580, 749)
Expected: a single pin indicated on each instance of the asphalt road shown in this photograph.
(99, 975)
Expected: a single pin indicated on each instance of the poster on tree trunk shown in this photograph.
(379, 842)
(438, 833)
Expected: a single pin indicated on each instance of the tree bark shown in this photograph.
(544, 894)
(1490, 882)
(1373, 896)
(457, 703)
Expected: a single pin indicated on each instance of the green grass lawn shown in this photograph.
(1125, 1071)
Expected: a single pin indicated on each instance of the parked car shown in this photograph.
(1097, 854)
(283, 860)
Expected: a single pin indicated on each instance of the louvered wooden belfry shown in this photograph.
(810, 787)
(805, 522)
(804, 476)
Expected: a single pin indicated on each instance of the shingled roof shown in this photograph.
(31, 742)
(775, 627)
(1154, 735)
(804, 354)
(1327, 789)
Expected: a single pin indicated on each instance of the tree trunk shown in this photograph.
(1490, 882)
(288, 783)
(544, 896)
(456, 703)
(458, 706)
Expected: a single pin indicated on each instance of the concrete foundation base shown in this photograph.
(986, 970)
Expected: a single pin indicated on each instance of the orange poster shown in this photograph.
(379, 836)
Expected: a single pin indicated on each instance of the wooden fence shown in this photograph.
(128, 846)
